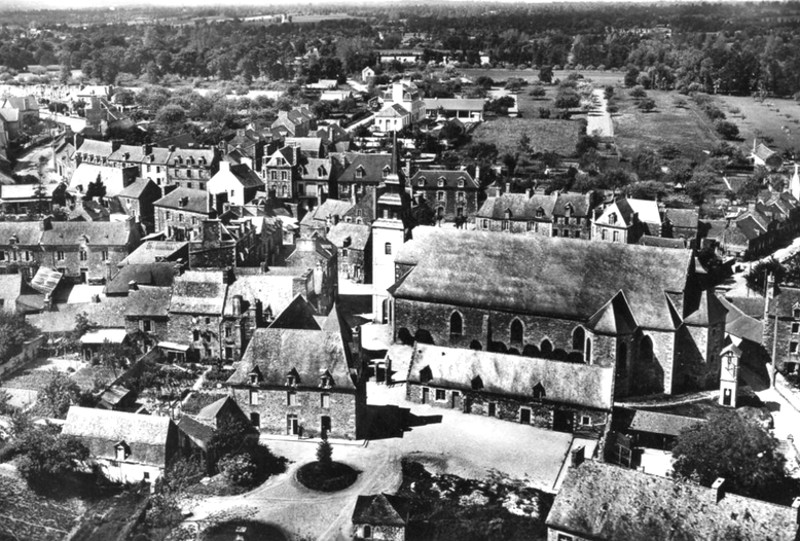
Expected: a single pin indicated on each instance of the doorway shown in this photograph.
(426, 395)
(292, 426)
(563, 421)
(525, 416)
(324, 425)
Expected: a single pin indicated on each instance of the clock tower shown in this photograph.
(729, 374)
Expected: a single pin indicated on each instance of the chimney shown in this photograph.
(335, 219)
(224, 166)
(133, 286)
(719, 488)
(577, 456)
(237, 305)
(46, 224)
(528, 192)
(508, 187)
(147, 149)
(478, 174)
(796, 509)
(172, 148)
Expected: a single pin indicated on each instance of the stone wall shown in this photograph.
(180, 330)
(158, 326)
(379, 532)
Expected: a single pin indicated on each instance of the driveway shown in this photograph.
(446, 441)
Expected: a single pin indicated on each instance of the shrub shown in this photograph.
(726, 129)
(637, 92)
(239, 470)
(544, 112)
(647, 104)
(537, 92)
(325, 453)
(337, 477)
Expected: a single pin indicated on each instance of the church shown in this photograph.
(640, 310)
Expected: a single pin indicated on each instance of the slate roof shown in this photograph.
(430, 179)
(135, 189)
(381, 510)
(305, 144)
(662, 242)
(97, 233)
(456, 368)
(101, 430)
(763, 152)
(709, 311)
(108, 313)
(454, 104)
(546, 276)
(153, 251)
(310, 353)
(96, 148)
(298, 315)
(579, 204)
(349, 235)
(46, 280)
(687, 218)
(149, 301)
(372, 164)
(521, 206)
(331, 207)
(739, 324)
(10, 192)
(308, 252)
(394, 110)
(9, 114)
(201, 156)
(25, 233)
(200, 432)
(196, 201)
(656, 422)
(157, 156)
(784, 301)
(128, 153)
(319, 169)
(199, 292)
(274, 290)
(144, 274)
(606, 502)
(237, 174)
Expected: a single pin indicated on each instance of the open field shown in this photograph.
(675, 120)
(546, 135)
(600, 78)
(777, 119)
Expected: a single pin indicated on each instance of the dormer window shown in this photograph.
(421, 181)
(326, 381)
(320, 171)
(122, 451)
(292, 379)
(508, 214)
(360, 172)
(568, 210)
(440, 182)
(461, 182)
(386, 171)
(540, 212)
(538, 391)
(255, 376)
(612, 218)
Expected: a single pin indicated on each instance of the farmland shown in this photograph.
(546, 135)
(776, 121)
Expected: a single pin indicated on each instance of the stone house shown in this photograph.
(137, 201)
(321, 256)
(19, 247)
(128, 447)
(249, 145)
(94, 152)
(147, 311)
(363, 173)
(518, 213)
(114, 179)
(320, 220)
(547, 393)
(317, 180)
(154, 165)
(626, 220)
(86, 251)
(191, 168)
(129, 156)
(180, 213)
(636, 308)
(27, 109)
(682, 224)
(281, 172)
(238, 182)
(452, 195)
(64, 157)
(762, 155)
(35, 198)
(221, 245)
(604, 502)
(298, 122)
(783, 336)
(354, 244)
(195, 313)
(392, 118)
(197, 430)
(380, 516)
(572, 215)
(302, 382)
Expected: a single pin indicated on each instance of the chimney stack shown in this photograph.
(508, 187)
(237, 305)
(719, 488)
(133, 286)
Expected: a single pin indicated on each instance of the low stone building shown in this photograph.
(137, 201)
(603, 502)
(354, 243)
(238, 183)
(320, 255)
(453, 195)
(179, 213)
(626, 220)
(19, 247)
(550, 394)
(128, 447)
(380, 516)
(783, 336)
(147, 312)
(195, 313)
(302, 382)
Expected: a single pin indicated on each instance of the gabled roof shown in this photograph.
(102, 430)
(519, 206)
(199, 292)
(46, 280)
(144, 274)
(763, 152)
(195, 156)
(614, 318)
(274, 290)
(319, 168)
(95, 233)
(96, 148)
(578, 204)
(709, 311)
(784, 302)
(662, 242)
(153, 251)
(454, 104)
(381, 510)
(431, 178)
(23, 233)
(137, 188)
(108, 313)
(605, 502)
(372, 165)
(309, 252)
(10, 192)
(305, 144)
(9, 114)
(149, 301)
(514, 375)
(349, 235)
(128, 153)
(330, 208)
(546, 276)
(199, 432)
(298, 315)
(196, 201)
(234, 175)
(656, 422)
(739, 324)
(113, 178)
(394, 110)
(309, 353)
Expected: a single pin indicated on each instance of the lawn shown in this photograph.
(558, 136)
(773, 119)
(675, 120)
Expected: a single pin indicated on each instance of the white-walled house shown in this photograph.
(238, 182)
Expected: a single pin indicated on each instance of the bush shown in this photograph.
(544, 112)
(336, 477)
(726, 129)
(647, 105)
(537, 92)
(637, 92)
(239, 470)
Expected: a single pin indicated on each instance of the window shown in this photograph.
(195, 335)
(387, 248)
(796, 313)
(485, 224)
(616, 236)
(104, 255)
(291, 380)
(441, 395)
(460, 182)
(366, 532)
(28, 255)
(586, 420)
(228, 331)
(325, 400)
(578, 339)
(440, 196)
(189, 185)
(255, 420)
(456, 324)
(291, 398)
(516, 331)
(525, 416)
(83, 255)
(538, 391)
(180, 216)
(326, 381)
(344, 252)
(2, 256)
(612, 218)
(565, 537)
(273, 175)
(147, 325)
(208, 321)
(158, 169)
(461, 196)
(189, 174)
(603, 234)
(360, 172)
(284, 175)
(793, 347)
(167, 215)
(506, 225)
(147, 477)
(253, 397)
(148, 168)
(120, 452)
(555, 232)
(421, 181)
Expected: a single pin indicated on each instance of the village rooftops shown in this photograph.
(433, 178)
(182, 157)
(274, 290)
(308, 355)
(601, 502)
(22, 233)
(148, 301)
(92, 233)
(199, 292)
(519, 206)
(187, 200)
(349, 235)
(96, 148)
(141, 274)
(328, 209)
(366, 167)
(135, 189)
(112, 178)
(145, 436)
(454, 104)
(501, 374)
(558, 277)
(129, 153)
(381, 509)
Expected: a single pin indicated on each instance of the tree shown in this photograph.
(546, 74)
(647, 105)
(749, 189)
(46, 455)
(95, 189)
(55, 398)
(727, 129)
(14, 331)
(756, 279)
(637, 92)
(567, 99)
(5, 407)
(325, 453)
(631, 77)
(700, 186)
(734, 448)
(230, 438)
(537, 92)
(238, 470)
